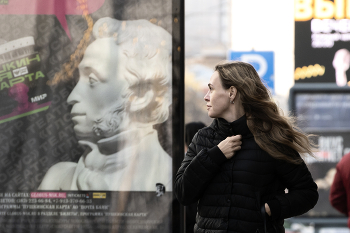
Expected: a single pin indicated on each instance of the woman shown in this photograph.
(239, 167)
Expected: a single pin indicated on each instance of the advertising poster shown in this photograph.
(322, 41)
(87, 129)
(324, 113)
(320, 97)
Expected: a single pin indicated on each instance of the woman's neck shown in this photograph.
(236, 111)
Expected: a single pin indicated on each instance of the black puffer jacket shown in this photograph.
(230, 193)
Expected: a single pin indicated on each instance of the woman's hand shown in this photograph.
(230, 145)
(267, 209)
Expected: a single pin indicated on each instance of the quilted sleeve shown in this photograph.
(302, 191)
(196, 171)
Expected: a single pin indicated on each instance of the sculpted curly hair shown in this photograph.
(148, 48)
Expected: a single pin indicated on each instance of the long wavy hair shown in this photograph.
(273, 132)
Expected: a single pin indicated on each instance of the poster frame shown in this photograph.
(178, 107)
(314, 88)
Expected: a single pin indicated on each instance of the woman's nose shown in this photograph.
(207, 97)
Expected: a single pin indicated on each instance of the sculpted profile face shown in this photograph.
(124, 89)
(101, 85)
(124, 79)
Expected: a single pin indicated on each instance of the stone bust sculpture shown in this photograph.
(124, 89)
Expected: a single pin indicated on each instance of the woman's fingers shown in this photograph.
(236, 148)
(230, 145)
(236, 142)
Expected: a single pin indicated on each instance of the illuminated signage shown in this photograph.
(308, 71)
(322, 37)
(321, 9)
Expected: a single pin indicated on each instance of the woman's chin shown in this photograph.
(211, 115)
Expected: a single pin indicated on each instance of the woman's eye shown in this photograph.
(92, 79)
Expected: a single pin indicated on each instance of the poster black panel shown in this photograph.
(322, 39)
(322, 110)
(86, 211)
(34, 141)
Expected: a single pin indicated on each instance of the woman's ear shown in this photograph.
(232, 93)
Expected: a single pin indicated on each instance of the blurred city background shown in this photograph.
(300, 50)
(214, 28)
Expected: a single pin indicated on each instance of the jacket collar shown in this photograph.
(237, 127)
